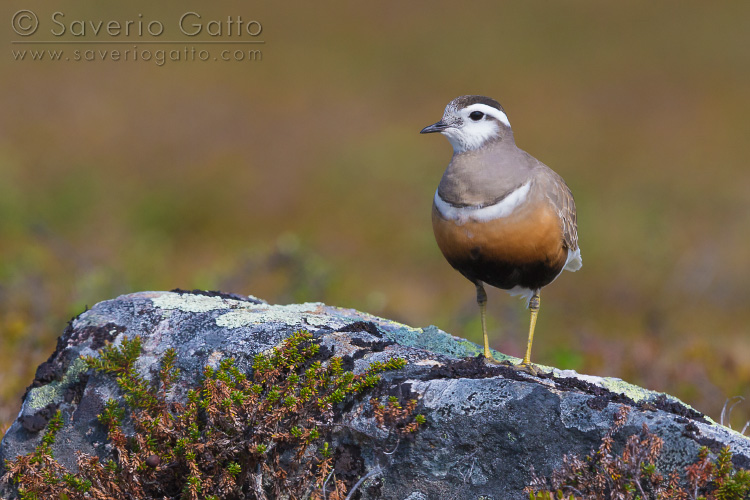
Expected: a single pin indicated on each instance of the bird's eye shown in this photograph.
(476, 115)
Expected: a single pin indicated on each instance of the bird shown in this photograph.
(500, 216)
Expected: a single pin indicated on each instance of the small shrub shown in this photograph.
(633, 475)
(236, 436)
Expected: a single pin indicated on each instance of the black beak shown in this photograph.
(435, 127)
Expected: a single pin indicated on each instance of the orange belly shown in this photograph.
(524, 249)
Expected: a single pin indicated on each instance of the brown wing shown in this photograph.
(562, 199)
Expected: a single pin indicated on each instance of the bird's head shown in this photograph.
(471, 121)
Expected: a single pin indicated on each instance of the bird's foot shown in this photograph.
(528, 368)
(489, 359)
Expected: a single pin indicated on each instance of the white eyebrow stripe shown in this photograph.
(489, 110)
(503, 208)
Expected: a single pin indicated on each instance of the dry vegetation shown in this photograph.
(633, 473)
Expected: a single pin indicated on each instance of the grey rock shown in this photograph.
(487, 427)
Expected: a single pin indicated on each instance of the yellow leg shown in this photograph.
(534, 308)
(482, 301)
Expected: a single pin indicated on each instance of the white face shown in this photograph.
(471, 127)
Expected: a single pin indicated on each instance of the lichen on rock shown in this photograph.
(486, 427)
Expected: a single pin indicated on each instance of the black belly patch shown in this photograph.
(505, 274)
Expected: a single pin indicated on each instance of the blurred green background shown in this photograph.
(302, 176)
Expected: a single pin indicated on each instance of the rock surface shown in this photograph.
(487, 426)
